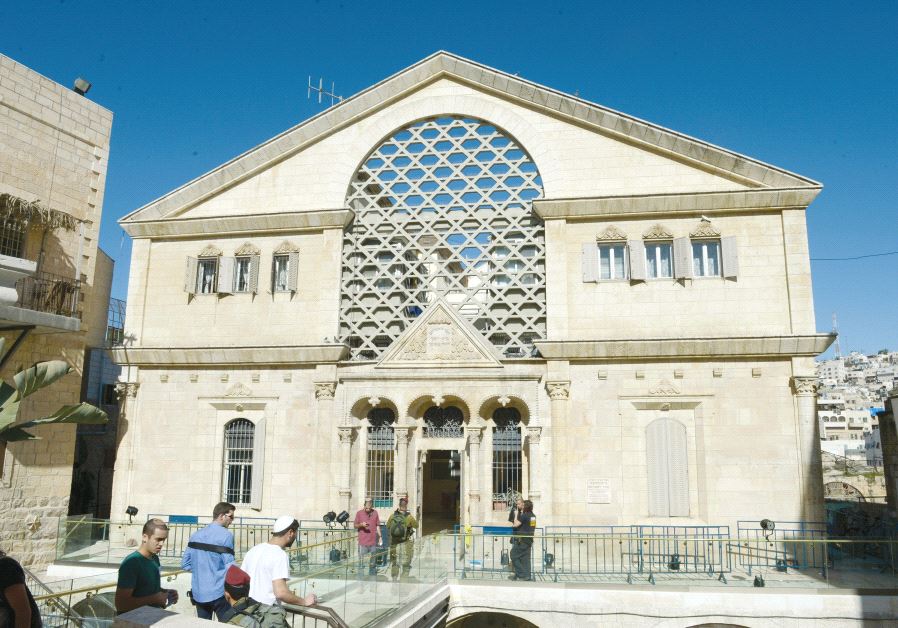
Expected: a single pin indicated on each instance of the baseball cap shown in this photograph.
(282, 523)
(236, 577)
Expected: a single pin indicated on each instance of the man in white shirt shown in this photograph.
(268, 566)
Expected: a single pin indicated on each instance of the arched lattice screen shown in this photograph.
(443, 210)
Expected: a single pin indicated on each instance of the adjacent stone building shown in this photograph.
(459, 285)
(54, 152)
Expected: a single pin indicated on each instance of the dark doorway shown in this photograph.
(441, 494)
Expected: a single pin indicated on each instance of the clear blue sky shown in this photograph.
(811, 87)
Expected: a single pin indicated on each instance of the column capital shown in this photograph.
(805, 386)
(558, 390)
(533, 433)
(126, 389)
(345, 433)
(325, 390)
(475, 434)
(402, 434)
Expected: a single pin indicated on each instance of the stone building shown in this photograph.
(459, 285)
(54, 151)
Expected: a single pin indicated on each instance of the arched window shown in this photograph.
(381, 448)
(667, 466)
(443, 422)
(239, 445)
(507, 480)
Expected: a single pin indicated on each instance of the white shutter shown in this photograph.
(254, 274)
(226, 275)
(637, 260)
(292, 271)
(682, 251)
(730, 257)
(190, 278)
(657, 466)
(258, 464)
(678, 469)
(590, 262)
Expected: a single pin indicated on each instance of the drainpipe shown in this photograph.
(80, 250)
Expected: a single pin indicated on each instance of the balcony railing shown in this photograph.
(54, 294)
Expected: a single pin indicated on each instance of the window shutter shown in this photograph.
(292, 271)
(682, 251)
(226, 275)
(190, 278)
(258, 464)
(590, 262)
(254, 274)
(730, 257)
(678, 467)
(657, 466)
(637, 260)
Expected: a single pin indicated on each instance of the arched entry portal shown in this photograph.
(440, 477)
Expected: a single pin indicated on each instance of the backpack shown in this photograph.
(252, 614)
(398, 527)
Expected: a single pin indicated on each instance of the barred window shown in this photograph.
(239, 439)
(443, 422)
(507, 475)
(12, 238)
(381, 446)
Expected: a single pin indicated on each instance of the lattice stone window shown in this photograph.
(443, 210)
(238, 461)
(381, 450)
(507, 462)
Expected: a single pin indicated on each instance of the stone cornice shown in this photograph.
(232, 225)
(673, 348)
(229, 356)
(609, 207)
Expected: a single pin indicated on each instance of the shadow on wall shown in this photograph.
(491, 620)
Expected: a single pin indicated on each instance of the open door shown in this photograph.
(441, 491)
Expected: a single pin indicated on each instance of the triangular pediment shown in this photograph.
(440, 338)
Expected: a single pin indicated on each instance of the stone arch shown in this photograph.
(362, 406)
(490, 618)
(487, 406)
(420, 404)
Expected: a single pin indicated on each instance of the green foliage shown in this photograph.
(29, 381)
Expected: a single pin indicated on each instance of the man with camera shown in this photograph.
(523, 527)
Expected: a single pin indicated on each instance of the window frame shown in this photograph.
(657, 244)
(625, 261)
(238, 261)
(704, 242)
(200, 263)
(247, 481)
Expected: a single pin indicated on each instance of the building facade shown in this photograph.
(54, 153)
(460, 286)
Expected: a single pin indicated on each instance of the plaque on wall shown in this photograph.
(598, 491)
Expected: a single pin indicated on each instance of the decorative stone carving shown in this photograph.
(657, 232)
(401, 435)
(704, 230)
(210, 251)
(163, 378)
(504, 400)
(438, 400)
(804, 385)
(33, 523)
(475, 435)
(247, 249)
(126, 389)
(345, 434)
(374, 401)
(664, 389)
(611, 233)
(345, 492)
(239, 390)
(286, 247)
(325, 390)
(558, 390)
(533, 434)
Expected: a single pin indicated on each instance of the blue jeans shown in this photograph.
(371, 552)
(220, 607)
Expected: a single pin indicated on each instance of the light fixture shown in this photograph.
(328, 517)
(131, 511)
(81, 86)
(768, 526)
(342, 518)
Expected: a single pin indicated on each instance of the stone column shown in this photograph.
(562, 452)
(400, 469)
(320, 439)
(344, 491)
(810, 464)
(124, 460)
(536, 466)
(474, 475)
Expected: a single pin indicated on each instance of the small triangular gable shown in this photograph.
(440, 338)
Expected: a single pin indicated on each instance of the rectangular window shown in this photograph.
(238, 462)
(12, 238)
(706, 258)
(242, 274)
(658, 260)
(612, 264)
(280, 273)
(109, 396)
(381, 449)
(206, 272)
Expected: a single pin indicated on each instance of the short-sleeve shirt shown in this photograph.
(11, 574)
(368, 537)
(265, 563)
(528, 524)
(141, 574)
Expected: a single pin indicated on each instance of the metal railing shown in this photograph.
(46, 292)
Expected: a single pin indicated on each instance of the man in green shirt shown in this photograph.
(139, 581)
(401, 526)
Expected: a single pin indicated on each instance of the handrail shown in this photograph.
(329, 615)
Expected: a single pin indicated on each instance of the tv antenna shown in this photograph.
(836, 332)
(322, 91)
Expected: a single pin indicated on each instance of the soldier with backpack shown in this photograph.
(401, 526)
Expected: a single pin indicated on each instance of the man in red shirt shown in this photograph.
(367, 522)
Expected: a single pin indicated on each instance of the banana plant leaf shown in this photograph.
(9, 405)
(40, 375)
(12, 434)
(83, 413)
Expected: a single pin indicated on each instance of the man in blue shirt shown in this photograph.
(208, 554)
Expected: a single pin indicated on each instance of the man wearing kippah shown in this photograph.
(244, 610)
(268, 566)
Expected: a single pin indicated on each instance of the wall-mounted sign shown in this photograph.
(598, 491)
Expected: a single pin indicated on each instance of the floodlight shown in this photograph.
(131, 511)
(81, 86)
(342, 517)
(329, 517)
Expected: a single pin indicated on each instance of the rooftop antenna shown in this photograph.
(320, 89)
(836, 332)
